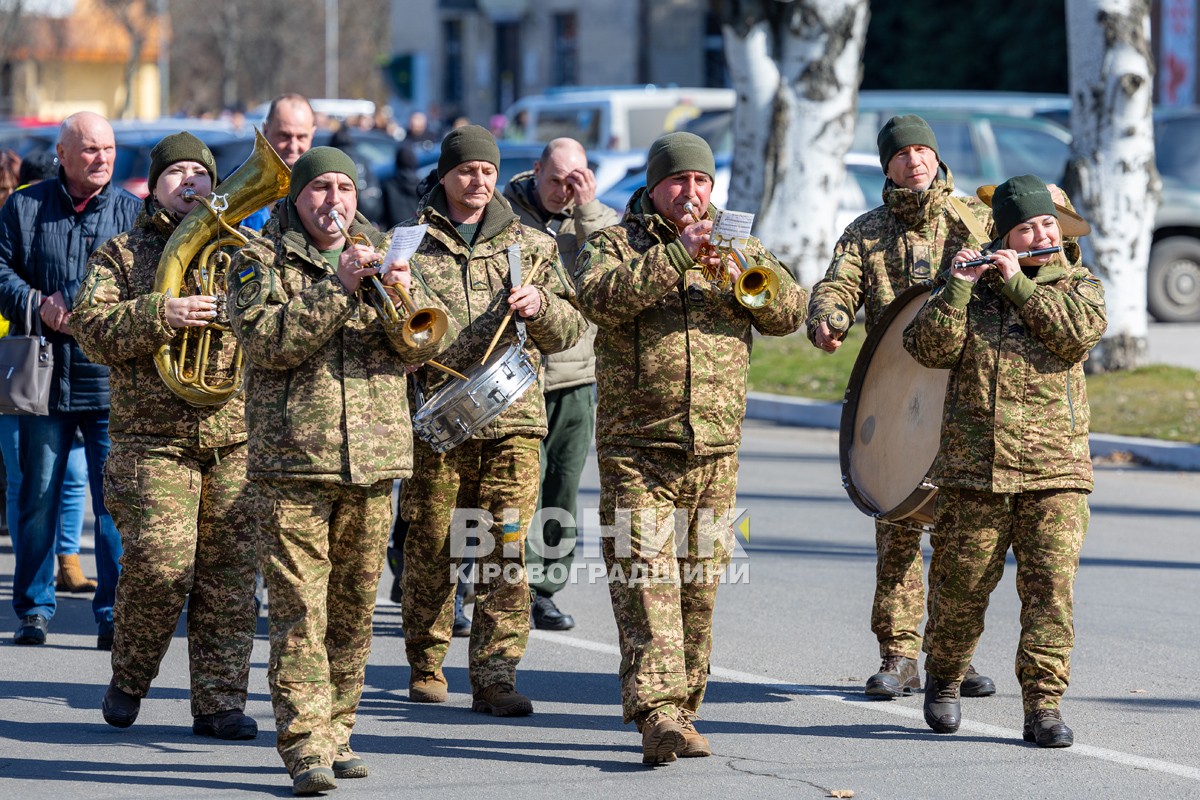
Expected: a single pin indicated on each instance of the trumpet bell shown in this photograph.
(756, 287)
(423, 326)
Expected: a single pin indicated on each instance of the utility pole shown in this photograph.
(164, 59)
(331, 48)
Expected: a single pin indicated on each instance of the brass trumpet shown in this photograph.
(421, 325)
(756, 287)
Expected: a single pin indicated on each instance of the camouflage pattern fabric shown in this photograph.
(1045, 530)
(187, 519)
(673, 351)
(906, 241)
(119, 321)
(899, 601)
(472, 281)
(499, 478)
(323, 549)
(326, 390)
(664, 569)
(1016, 416)
(327, 409)
(175, 483)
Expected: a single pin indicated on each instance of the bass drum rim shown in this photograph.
(918, 504)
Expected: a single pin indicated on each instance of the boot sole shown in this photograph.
(357, 770)
(1064, 740)
(315, 780)
(888, 693)
(663, 751)
(515, 710)
(423, 697)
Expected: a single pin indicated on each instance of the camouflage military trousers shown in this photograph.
(493, 482)
(899, 602)
(323, 547)
(187, 519)
(1045, 531)
(666, 544)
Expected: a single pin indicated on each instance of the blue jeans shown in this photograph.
(45, 448)
(70, 520)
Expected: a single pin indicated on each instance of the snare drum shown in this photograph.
(460, 409)
(892, 421)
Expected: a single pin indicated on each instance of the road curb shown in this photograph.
(805, 413)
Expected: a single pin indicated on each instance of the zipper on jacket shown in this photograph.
(637, 352)
(1070, 402)
(287, 405)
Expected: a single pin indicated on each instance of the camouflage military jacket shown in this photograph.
(120, 322)
(575, 366)
(1016, 416)
(673, 351)
(906, 241)
(473, 283)
(326, 392)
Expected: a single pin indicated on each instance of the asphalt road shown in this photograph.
(784, 709)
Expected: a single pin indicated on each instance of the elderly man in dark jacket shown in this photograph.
(47, 232)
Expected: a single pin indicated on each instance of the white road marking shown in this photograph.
(1103, 754)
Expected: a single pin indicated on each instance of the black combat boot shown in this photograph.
(942, 711)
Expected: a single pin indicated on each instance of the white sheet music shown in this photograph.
(731, 229)
(405, 241)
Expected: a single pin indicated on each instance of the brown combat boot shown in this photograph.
(662, 736)
(502, 700)
(71, 577)
(897, 677)
(427, 687)
(695, 744)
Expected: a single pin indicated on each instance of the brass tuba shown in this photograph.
(197, 245)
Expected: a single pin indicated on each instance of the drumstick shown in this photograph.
(507, 317)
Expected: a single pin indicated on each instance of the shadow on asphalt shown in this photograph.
(124, 773)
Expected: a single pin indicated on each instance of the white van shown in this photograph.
(613, 118)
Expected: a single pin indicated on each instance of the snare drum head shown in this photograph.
(892, 417)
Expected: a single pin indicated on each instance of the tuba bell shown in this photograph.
(187, 364)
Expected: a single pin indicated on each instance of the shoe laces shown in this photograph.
(891, 663)
(344, 750)
(656, 716)
(945, 691)
(308, 762)
(1044, 714)
(685, 718)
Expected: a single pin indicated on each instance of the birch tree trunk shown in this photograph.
(796, 66)
(1111, 176)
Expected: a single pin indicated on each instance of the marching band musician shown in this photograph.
(1014, 468)
(329, 425)
(902, 243)
(673, 353)
(466, 257)
(175, 479)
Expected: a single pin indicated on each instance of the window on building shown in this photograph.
(452, 71)
(716, 73)
(565, 48)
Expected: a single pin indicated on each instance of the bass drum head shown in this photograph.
(892, 420)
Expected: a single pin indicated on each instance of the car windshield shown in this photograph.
(1177, 149)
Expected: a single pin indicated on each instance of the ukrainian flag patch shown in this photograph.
(246, 275)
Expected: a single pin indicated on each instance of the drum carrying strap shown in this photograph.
(514, 276)
(968, 219)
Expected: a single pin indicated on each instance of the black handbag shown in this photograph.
(26, 366)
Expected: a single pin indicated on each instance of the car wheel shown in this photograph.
(1174, 279)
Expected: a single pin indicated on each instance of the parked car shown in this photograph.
(862, 189)
(1173, 282)
(615, 118)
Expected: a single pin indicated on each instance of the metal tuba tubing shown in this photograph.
(258, 182)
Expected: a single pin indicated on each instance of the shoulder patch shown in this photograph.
(247, 284)
(1091, 290)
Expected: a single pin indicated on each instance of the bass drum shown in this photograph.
(459, 409)
(892, 421)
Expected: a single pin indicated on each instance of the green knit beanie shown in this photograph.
(468, 143)
(318, 161)
(177, 147)
(678, 152)
(901, 132)
(1019, 199)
